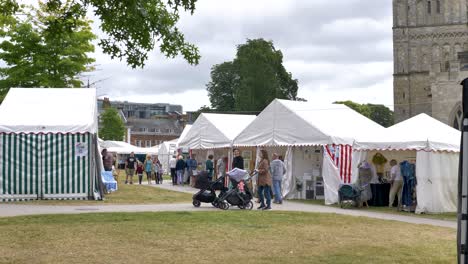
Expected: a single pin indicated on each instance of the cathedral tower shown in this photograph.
(430, 54)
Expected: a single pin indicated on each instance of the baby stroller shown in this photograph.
(240, 194)
(207, 193)
(349, 195)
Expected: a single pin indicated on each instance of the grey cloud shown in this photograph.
(346, 34)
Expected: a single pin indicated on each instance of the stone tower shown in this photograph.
(430, 51)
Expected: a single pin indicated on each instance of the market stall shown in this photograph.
(315, 141)
(432, 147)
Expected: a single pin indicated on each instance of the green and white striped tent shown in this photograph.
(48, 144)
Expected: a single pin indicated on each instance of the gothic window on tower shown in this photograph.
(438, 6)
(429, 7)
(457, 117)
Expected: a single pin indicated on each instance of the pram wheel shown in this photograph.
(248, 206)
(223, 205)
(196, 203)
(215, 204)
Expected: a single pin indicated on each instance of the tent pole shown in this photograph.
(462, 210)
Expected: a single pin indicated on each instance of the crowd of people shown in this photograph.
(270, 174)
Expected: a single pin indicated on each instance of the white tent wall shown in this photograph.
(437, 181)
(165, 152)
(303, 161)
(331, 180)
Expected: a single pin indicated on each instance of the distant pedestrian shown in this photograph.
(209, 166)
(278, 170)
(157, 169)
(148, 165)
(130, 167)
(139, 171)
(191, 165)
(180, 167)
(172, 165)
(264, 181)
(238, 161)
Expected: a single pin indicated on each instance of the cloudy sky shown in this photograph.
(337, 49)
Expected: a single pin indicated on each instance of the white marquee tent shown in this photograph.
(213, 134)
(435, 147)
(48, 144)
(302, 130)
(211, 131)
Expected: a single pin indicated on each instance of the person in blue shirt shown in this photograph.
(191, 164)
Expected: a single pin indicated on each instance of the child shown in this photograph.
(140, 171)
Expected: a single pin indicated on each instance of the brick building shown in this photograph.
(430, 47)
(148, 124)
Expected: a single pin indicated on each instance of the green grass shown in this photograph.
(385, 209)
(220, 237)
(127, 194)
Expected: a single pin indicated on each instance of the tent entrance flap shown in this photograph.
(46, 166)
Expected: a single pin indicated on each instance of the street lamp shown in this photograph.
(462, 212)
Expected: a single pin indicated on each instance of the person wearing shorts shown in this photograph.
(130, 167)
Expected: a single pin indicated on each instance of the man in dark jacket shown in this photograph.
(238, 161)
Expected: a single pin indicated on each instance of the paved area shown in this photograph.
(17, 210)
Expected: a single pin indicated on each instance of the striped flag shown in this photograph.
(341, 156)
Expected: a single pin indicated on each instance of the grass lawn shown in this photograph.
(221, 237)
(384, 209)
(127, 194)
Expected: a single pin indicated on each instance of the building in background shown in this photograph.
(148, 125)
(430, 49)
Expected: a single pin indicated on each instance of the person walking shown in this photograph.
(278, 170)
(172, 166)
(264, 181)
(209, 166)
(139, 171)
(396, 184)
(130, 167)
(180, 167)
(157, 168)
(148, 165)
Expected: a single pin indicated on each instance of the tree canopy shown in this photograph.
(39, 51)
(252, 80)
(376, 112)
(111, 127)
(132, 28)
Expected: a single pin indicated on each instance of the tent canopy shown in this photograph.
(52, 110)
(121, 147)
(184, 133)
(285, 122)
(215, 130)
(420, 132)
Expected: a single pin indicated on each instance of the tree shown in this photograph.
(252, 80)
(132, 28)
(40, 52)
(376, 112)
(112, 126)
(224, 78)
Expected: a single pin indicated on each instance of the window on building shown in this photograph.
(147, 143)
(138, 143)
(438, 6)
(429, 7)
(457, 117)
(142, 114)
(144, 129)
(130, 113)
